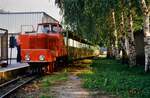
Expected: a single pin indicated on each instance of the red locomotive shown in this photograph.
(45, 47)
(42, 48)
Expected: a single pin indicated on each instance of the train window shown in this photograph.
(56, 29)
(44, 29)
(49, 28)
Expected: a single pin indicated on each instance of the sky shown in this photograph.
(47, 6)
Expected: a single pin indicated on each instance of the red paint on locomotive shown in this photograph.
(42, 46)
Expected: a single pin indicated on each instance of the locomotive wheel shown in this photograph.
(53, 67)
(40, 70)
(50, 67)
(45, 69)
(36, 68)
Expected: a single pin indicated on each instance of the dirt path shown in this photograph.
(72, 89)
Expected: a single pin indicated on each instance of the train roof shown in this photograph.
(73, 36)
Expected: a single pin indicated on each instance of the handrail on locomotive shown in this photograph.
(42, 28)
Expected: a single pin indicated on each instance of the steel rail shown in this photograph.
(19, 82)
(9, 82)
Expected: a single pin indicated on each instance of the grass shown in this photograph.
(115, 78)
(52, 79)
(47, 81)
(45, 96)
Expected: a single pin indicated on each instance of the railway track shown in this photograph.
(12, 85)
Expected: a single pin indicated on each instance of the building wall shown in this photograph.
(13, 21)
(46, 18)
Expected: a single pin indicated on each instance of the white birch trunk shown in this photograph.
(147, 41)
(115, 47)
(146, 13)
(124, 40)
(132, 51)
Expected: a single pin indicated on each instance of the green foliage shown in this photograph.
(93, 20)
(49, 80)
(118, 79)
(70, 59)
(45, 96)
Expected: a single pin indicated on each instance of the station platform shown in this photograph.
(12, 70)
(14, 66)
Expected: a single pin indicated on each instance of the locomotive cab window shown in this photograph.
(56, 28)
(44, 29)
(49, 28)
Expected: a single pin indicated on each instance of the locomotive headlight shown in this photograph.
(41, 57)
(27, 57)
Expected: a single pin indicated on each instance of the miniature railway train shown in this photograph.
(47, 48)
